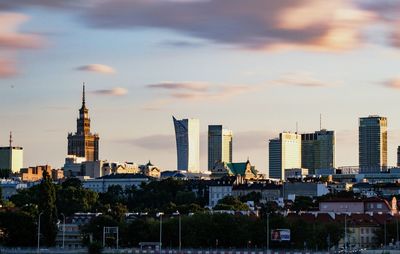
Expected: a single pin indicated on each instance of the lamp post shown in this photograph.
(63, 239)
(345, 233)
(180, 229)
(38, 234)
(397, 232)
(160, 214)
(267, 233)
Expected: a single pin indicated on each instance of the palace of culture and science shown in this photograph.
(83, 143)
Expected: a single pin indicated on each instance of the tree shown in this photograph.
(72, 198)
(47, 205)
(1, 196)
(231, 203)
(18, 229)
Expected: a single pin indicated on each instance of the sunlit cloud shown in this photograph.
(117, 91)
(99, 68)
(190, 86)
(7, 68)
(392, 83)
(255, 24)
(301, 79)
(12, 41)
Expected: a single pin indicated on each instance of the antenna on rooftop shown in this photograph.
(10, 140)
(297, 127)
(320, 121)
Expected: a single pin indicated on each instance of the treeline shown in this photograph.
(206, 230)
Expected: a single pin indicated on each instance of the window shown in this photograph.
(379, 206)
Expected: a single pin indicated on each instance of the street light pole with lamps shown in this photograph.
(38, 234)
(160, 214)
(63, 239)
(180, 229)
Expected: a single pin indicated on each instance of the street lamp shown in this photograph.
(160, 214)
(180, 229)
(267, 233)
(63, 239)
(38, 234)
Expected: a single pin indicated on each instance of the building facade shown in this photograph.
(11, 157)
(372, 143)
(187, 133)
(398, 156)
(219, 145)
(83, 143)
(284, 153)
(318, 150)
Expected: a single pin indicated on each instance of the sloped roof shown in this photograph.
(239, 168)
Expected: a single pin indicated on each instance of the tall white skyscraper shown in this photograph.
(219, 145)
(187, 133)
(284, 153)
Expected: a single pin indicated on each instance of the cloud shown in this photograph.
(195, 91)
(392, 83)
(154, 142)
(256, 24)
(12, 41)
(302, 79)
(191, 86)
(117, 91)
(7, 68)
(99, 68)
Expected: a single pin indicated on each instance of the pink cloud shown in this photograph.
(7, 68)
(257, 24)
(117, 91)
(393, 83)
(10, 38)
(301, 79)
(99, 68)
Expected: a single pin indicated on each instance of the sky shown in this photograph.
(257, 67)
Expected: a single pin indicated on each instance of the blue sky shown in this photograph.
(254, 66)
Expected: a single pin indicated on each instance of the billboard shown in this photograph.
(280, 235)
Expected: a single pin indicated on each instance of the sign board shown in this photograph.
(280, 235)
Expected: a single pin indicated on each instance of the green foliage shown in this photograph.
(47, 205)
(95, 228)
(304, 204)
(1, 196)
(72, 198)
(252, 196)
(18, 228)
(95, 248)
(5, 173)
(231, 203)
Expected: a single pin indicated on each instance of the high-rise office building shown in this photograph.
(284, 153)
(372, 143)
(398, 156)
(83, 143)
(187, 133)
(318, 150)
(11, 157)
(219, 145)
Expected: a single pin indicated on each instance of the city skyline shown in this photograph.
(257, 77)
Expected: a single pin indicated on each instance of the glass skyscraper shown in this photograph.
(219, 145)
(372, 143)
(318, 150)
(187, 134)
(284, 153)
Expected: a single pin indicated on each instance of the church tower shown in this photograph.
(83, 143)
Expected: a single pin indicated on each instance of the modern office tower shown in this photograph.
(11, 157)
(318, 150)
(219, 145)
(398, 156)
(372, 143)
(187, 133)
(284, 153)
(83, 143)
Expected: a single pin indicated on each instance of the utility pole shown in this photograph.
(38, 234)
